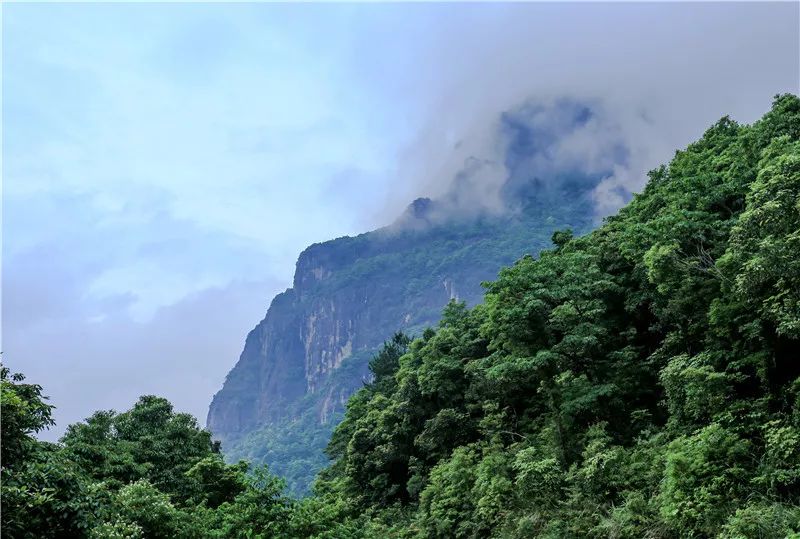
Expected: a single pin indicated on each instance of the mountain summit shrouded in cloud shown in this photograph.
(547, 151)
(164, 164)
(314, 347)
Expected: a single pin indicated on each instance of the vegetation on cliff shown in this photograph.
(640, 381)
(281, 401)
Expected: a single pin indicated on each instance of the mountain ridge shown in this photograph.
(349, 295)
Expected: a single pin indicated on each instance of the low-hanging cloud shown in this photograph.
(94, 348)
(164, 164)
(542, 152)
(657, 75)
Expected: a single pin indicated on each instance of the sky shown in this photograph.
(164, 164)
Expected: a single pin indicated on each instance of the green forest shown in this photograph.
(640, 381)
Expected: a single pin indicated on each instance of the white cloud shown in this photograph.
(164, 164)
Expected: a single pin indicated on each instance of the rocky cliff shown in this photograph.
(349, 295)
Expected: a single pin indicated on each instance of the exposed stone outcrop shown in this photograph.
(349, 295)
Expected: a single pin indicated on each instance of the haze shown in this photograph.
(164, 164)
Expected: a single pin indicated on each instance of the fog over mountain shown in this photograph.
(164, 165)
(313, 348)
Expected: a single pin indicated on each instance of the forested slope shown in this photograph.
(640, 381)
(300, 364)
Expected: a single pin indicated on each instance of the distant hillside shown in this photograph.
(311, 351)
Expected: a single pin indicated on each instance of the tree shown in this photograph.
(150, 441)
(24, 413)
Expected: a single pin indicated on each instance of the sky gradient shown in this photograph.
(164, 164)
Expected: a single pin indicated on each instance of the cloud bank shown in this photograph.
(657, 74)
(164, 164)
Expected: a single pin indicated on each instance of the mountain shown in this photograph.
(311, 351)
(640, 381)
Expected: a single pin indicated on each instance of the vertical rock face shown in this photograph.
(349, 295)
(263, 382)
(311, 351)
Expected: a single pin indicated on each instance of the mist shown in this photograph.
(656, 76)
(164, 165)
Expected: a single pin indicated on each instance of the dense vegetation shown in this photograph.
(148, 472)
(640, 381)
(281, 401)
(401, 270)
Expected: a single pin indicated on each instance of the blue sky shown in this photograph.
(164, 164)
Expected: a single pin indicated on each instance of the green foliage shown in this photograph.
(764, 521)
(144, 473)
(49, 496)
(704, 479)
(387, 360)
(398, 275)
(212, 482)
(149, 442)
(143, 506)
(43, 494)
(293, 449)
(259, 510)
(24, 412)
(640, 381)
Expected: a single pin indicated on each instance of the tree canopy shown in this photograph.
(639, 381)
